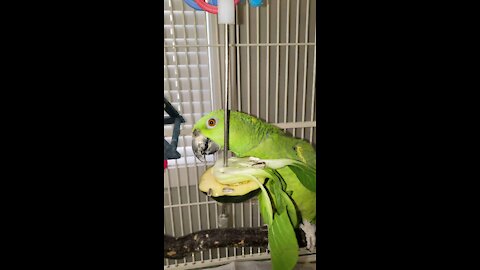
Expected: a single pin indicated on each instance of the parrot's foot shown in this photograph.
(309, 230)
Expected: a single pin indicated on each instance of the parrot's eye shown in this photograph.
(211, 123)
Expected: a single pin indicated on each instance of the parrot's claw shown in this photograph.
(309, 230)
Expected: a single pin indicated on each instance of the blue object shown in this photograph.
(194, 5)
(170, 148)
(256, 3)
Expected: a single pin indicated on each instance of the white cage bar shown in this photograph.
(269, 80)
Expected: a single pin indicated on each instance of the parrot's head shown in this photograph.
(208, 134)
(245, 133)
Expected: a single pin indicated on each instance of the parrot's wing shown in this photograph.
(281, 234)
(306, 175)
(283, 242)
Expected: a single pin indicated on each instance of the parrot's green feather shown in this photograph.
(306, 175)
(289, 194)
(250, 136)
(291, 210)
(275, 188)
(283, 243)
(266, 210)
(303, 198)
(282, 239)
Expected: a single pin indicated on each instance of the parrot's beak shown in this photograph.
(202, 145)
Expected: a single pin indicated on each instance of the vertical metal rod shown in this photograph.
(180, 208)
(209, 23)
(239, 78)
(217, 226)
(258, 61)
(234, 226)
(192, 110)
(249, 99)
(267, 62)
(170, 203)
(295, 83)
(197, 175)
(177, 77)
(277, 57)
(198, 50)
(287, 29)
(313, 84)
(189, 202)
(223, 208)
(165, 232)
(216, 27)
(258, 91)
(179, 197)
(242, 222)
(165, 66)
(251, 220)
(305, 61)
(259, 220)
(210, 56)
(207, 208)
(208, 226)
(226, 120)
(167, 175)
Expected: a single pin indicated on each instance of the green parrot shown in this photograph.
(292, 195)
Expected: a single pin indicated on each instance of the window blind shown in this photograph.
(186, 71)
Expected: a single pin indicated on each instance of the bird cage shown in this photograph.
(272, 69)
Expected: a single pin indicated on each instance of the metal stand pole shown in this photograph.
(226, 117)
